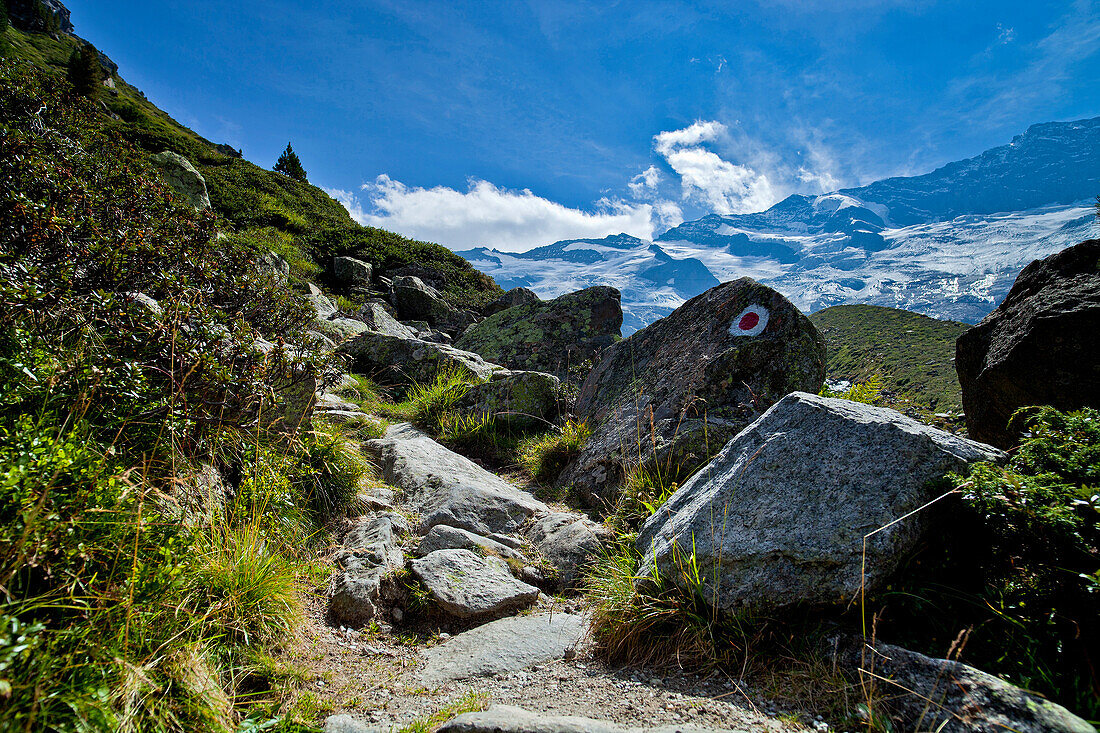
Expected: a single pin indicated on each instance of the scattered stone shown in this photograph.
(377, 318)
(469, 586)
(397, 360)
(370, 550)
(322, 306)
(514, 297)
(348, 724)
(519, 399)
(446, 488)
(550, 336)
(508, 719)
(352, 272)
(779, 516)
(924, 693)
(415, 300)
(568, 542)
(502, 647)
(1039, 347)
(444, 537)
(680, 388)
(183, 178)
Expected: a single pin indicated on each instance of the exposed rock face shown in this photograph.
(679, 389)
(1039, 347)
(568, 542)
(371, 549)
(398, 360)
(521, 399)
(446, 488)
(352, 272)
(779, 516)
(377, 318)
(514, 297)
(470, 586)
(416, 301)
(183, 178)
(501, 647)
(963, 699)
(24, 16)
(445, 537)
(549, 336)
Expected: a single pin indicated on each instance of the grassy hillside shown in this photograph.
(913, 354)
(295, 219)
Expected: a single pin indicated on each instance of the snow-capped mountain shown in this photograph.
(948, 244)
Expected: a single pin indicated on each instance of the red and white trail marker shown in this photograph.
(750, 322)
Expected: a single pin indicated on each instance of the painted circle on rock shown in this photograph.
(750, 322)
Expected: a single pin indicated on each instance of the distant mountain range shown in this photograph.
(947, 244)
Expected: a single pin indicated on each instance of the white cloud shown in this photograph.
(705, 177)
(645, 183)
(490, 216)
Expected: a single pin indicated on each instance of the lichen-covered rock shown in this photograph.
(398, 360)
(778, 518)
(416, 301)
(470, 586)
(549, 336)
(676, 391)
(514, 297)
(927, 694)
(519, 399)
(569, 542)
(377, 318)
(352, 272)
(183, 178)
(1039, 347)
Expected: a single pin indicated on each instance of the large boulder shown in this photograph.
(569, 542)
(467, 585)
(779, 516)
(519, 399)
(183, 178)
(377, 318)
(924, 693)
(416, 301)
(446, 488)
(401, 360)
(676, 391)
(352, 272)
(1039, 347)
(549, 336)
(514, 297)
(370, 550)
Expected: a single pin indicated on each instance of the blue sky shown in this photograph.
(516, 124)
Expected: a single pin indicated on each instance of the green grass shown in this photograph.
(912, 354)
(545, 456)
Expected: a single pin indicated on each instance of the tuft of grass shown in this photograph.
(645, 490)
(547, 455)
(429, 404)
(469, 702)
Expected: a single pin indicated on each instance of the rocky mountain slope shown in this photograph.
(947, 244)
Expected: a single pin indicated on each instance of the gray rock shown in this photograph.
(470, 586)
(370, 551)
(351, 272)
(322, 306)
(514, 297)
(551, 336)
(377, 318)
(396, 360)
(508, 719)
(27, 15)
(416, 301)
(676, 391)
(446, 488)
(779, 516)
(519, 399)
(445, 537)
(502, 647)
(568, 542)
(148, 303)
(183, 178)
(928, 694)
(1039, 347)
(347, 724)
(275, 266)
(338, 328)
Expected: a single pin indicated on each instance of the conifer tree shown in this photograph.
(85, 72)
(289, 164)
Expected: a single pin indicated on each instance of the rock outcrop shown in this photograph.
(518, 399)
(1039, 347)
(183, 178)
(377, 318)
(25, 15)
(416, 301)
(514, 297)
(779, 516)
(399, 360)
(446, 488)
(676, 391)
(370, 550)
(924, 693)
(352, 272)
(569, 542)
(550, 336)
(470, 586)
